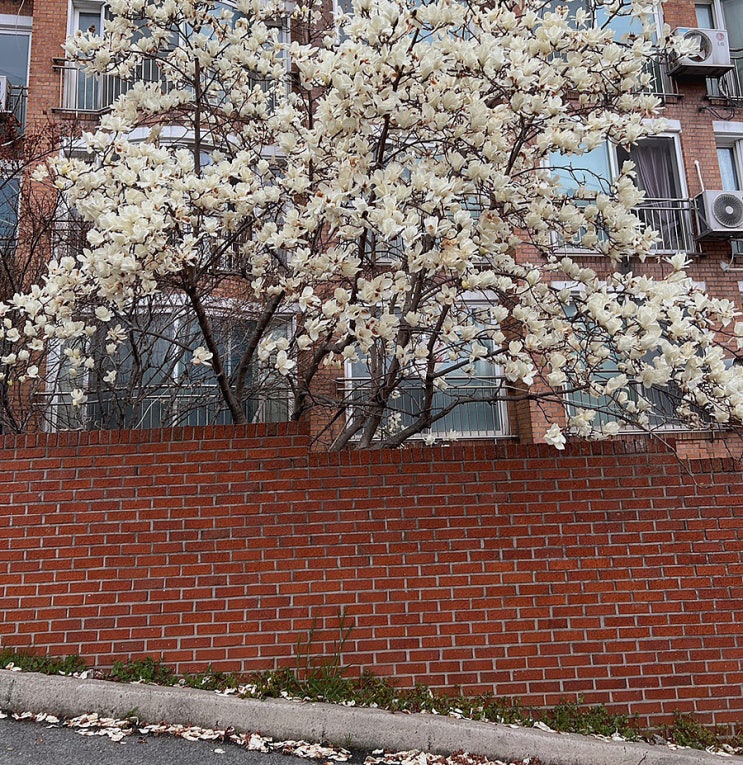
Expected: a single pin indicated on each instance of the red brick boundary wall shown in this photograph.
(605, 570)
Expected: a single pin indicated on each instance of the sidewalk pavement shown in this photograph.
(356, 727)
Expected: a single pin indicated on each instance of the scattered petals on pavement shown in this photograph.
(94, 725)
(116, 730)
(256, 743)
(416, 757)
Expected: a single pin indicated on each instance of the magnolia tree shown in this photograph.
(280, 201)
(31, 218)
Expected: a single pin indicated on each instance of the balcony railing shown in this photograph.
(674, 220)
(86, 92)
(730, 85)
(15, 112)
(478, 416)
(663, 402)
(158, 407)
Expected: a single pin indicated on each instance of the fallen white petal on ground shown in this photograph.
(416, 757)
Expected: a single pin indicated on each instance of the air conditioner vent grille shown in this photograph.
(728, 210)
(704, 44)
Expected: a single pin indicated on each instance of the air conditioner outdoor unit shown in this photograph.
(713, 58)
(4, 93)
(720, 214)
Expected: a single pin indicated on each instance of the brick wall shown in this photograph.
(607, 570)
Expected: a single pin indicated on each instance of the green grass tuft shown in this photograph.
(48, 665)
(147, 670)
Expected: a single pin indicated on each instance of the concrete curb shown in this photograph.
(358, 727)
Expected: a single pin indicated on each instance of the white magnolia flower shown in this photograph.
(284, 364)
(201, 356)
(78, 397)
(554, 436)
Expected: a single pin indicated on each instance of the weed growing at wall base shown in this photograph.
(47, 665)
(332, 685)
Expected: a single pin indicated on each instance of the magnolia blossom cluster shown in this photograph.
(383, 182)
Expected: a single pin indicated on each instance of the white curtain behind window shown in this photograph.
(657, 175)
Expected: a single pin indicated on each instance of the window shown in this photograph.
(729, 139)
(344, 6)
(625, 28)
(85, 92)
(157, 385)
(10, 189)
(474, 417)
(657, 161)
(729, 159)
(467, 407)
(15, 52)
(725, 14)
(665, 209)
(661, 400)
(88, 92)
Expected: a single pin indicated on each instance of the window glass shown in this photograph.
(656, 165)
(9, 194)
(157, 385)
(607, 408)
(476, 415)
(89, 22)
(664, 209)
(732, 11)
(592, 170)
(14, 49)
(624, 25)
(705, 16)
(87, 86)
(728, 168)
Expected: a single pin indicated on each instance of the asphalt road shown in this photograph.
(31, 743)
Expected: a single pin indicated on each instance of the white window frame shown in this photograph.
(11, 24)
(578, 289)
(76, 7)
(73, 75)
(502, 416)
(672, 132)
(718, 15)
(58, 399)
(729, 135)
